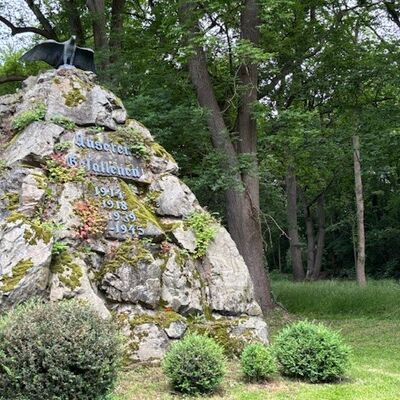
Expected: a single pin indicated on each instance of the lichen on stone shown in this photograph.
(160, 151)
(74, 97)
(12, 199)
(136, 143)
(163, 319)
(18, 272)
(143, 212)
(69, 272)
(129, 253)
(219, 330)
(35, 231)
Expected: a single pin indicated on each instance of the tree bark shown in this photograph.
(116, 31)
(99, 24)
(16, 30)
(75, 22)
(42, 19)
(12, 78)
(320, 237)
(310, 235)
(360, 261)
(242, 206)
(293, 229)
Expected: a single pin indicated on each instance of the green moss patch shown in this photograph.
(135, 141)
(12, 200)
(143, 212)
(69, 273)
(18, 272)
(36, 229)
(129, 253)
(74, 98)
(219, 330)
(160, 151)
(163, 319)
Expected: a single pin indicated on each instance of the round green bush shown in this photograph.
(195, 364)
(257, 362)
(311, 352)
(57, 351)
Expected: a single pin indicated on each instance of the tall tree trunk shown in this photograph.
(295, 247)
(99, 24)
(310, 235)
(116, 30)
(75, 22)
(320, 237)
(242, 206)
(360, 261)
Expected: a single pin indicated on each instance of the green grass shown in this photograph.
(340, 299)
(367, 318)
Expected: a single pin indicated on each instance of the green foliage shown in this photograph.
(135, 141)
(59, 172)
(58, 248)
(311, 352)
(195, 364)
(57, 351)
(203, 225)
(257, 362)
(64, 121)
(23, 119)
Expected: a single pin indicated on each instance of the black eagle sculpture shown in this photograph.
(66, 54)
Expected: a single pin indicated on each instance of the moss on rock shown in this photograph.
(143, 212)
(74, 97)
(18, 272)
(129, 253)
(69, 272)
(36, 230)
(163, 319)
(219, 330)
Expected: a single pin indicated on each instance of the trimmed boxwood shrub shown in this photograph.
(257, 362)
(62, 351)
(195, 364)
(311, 352)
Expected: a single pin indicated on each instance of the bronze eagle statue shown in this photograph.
(65, 54)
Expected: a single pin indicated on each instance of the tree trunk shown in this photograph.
(116, 30)
(242, 206)
(310, 235)
(99, 24)
(295, 247)
(360, 261)
(320, 237)
(75, 22)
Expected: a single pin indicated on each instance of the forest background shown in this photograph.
(282, 114)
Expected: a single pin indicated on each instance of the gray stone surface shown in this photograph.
(138, 284)
(181, 285)
(176, 330)
(14, 249)
(35, 142)
(253, 329)
(151, 342)
(31, 192)
(228, 281)
(175, 198)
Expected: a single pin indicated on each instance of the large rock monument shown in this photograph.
(91, 207)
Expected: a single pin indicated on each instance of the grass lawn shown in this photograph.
(368, 318)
